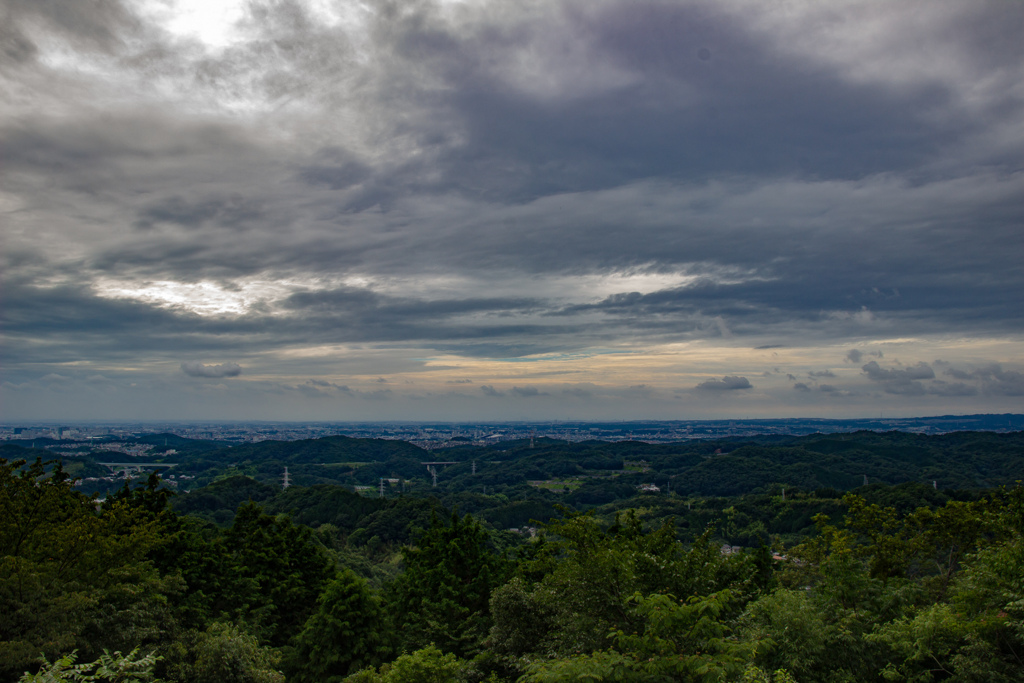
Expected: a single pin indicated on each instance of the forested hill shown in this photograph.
(320, 584)
(582, 473)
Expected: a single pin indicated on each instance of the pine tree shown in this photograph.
(344, 635)
(443, 595)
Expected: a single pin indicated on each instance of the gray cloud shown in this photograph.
(856, 356)
(940, 388)
(994, 379)
(727, 383)
(489, 390)
(900, 381)
(196, 369)
(919, 371)
(456, 182)
(234, 211)
(801, 386)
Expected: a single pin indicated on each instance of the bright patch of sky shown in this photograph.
(214, 23)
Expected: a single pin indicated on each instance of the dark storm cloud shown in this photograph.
(93, 24)
(336, 169)
(234, 211)
(112, 327)
(806, 190)
(727, 383)
(811, 297)
(940, 388)
(994, 379)
(879, 374)
(471, 118)
(652, 124)
(900, 381)
(196, 369)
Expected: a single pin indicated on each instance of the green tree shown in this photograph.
(427, 665)
(687, 641)
(793, 630)
(71, 577)
(223, 653)
(348, 632)
(585, 589)
(284, 571)
(443, 595)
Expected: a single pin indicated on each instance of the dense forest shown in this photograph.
(733, 560)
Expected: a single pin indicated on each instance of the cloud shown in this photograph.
(324, 384)
(526, 392)
(994, 379)
(856, 356)
(234, 211)
(940, 388)
(919, 371)
(454, 181)
(727, 383)
(900, 381)
(822, 373)
(196, 369)
(800, 386)
(489, 390)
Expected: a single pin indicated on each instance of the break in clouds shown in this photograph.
(496, 207)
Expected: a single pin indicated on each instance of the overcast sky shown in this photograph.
(339, 210)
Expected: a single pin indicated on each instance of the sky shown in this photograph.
(533, 210)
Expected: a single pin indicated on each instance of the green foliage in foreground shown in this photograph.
(109, 668)
(899, 584)
(428, 665)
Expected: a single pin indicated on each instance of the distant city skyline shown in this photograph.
(452, 211)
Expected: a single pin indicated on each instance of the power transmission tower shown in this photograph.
(474, 467)
(433, 474)
(381, 487)
(287, 481)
